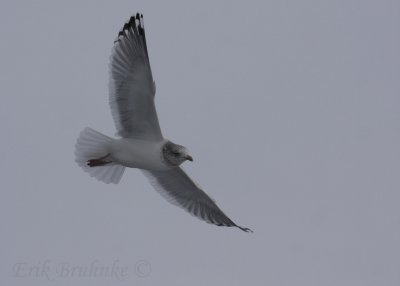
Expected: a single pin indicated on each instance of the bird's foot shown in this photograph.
(98, 162)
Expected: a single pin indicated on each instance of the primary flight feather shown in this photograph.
(142, 145)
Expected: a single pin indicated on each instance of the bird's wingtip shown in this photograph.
(245, 229)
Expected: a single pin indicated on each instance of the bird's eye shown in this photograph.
(176, 153)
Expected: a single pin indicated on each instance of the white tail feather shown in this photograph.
(92, 145)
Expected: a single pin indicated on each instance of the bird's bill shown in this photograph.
(188, 157)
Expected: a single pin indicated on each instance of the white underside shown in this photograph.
(124, 152)
(136, 153)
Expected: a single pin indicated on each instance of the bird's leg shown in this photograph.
(98, 162)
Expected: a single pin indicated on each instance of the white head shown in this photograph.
(174, 154)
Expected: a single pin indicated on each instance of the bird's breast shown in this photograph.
(136, 153)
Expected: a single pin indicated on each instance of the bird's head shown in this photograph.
(174, 154)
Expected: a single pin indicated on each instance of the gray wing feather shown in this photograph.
(131, 86)
(176, 186)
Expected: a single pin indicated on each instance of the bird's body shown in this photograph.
(142, 145)
(136, 153)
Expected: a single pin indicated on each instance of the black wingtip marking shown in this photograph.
(135, 26)
(136, 23)
(140, 25)
(245, 229)
(132, 21)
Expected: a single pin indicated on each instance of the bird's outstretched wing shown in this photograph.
(176, 186)
(131, 86)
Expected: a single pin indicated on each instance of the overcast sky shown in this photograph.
(290, 110)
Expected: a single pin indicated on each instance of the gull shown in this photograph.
(141, 144)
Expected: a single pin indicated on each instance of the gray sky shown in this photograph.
(290, 109)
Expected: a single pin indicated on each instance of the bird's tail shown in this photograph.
(91, 155)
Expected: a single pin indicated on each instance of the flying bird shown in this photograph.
(141, 144)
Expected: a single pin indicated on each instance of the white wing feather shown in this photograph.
(132, 91)
(131, 86)
(176, 186)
